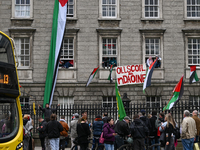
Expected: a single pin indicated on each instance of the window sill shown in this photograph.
(71, 19)
(109, 19)
(21, 19)
(191, 19)
(70, 68)
(24, 68)
(152, 19)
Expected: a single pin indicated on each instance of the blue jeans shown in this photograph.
(95, 141)
(188, 144)
(109, 146)
(119, 141)
(54, 143)
(155, 141)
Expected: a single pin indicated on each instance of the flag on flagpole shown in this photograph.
(120, 105)
(147, 81)
(193, 75)
(92, 75)
(58, 28)
(110, 75)
(177, 94)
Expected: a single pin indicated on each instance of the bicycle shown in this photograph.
(130, 147)
(100, 147)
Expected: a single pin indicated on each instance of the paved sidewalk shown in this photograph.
(40, 148)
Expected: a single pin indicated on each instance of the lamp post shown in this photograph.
(126, 102)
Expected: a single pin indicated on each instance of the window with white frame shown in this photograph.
(109, 101)
(193, 51)
(67, 53)
(109, 52)
(152, 48)
(151, 8)
(22, 8)
(194, 102)
(109, 8)
(24, 101)
(70, 8)
(193, 8)
(153, 101)
(23, 51)
(65, 102)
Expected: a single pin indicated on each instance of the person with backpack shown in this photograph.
(42, 132)
(97, 130)
(109, 134)
(138, 131)
(197, 121)
(83, 131)
(153, 131)
(53, 130)
(169, 132)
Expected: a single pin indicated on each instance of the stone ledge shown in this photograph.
(109, 19)
(152, 19)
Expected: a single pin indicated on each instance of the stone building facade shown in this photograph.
(98, 31)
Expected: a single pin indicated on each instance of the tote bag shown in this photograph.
(101, 139)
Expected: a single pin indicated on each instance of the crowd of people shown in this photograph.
(144, 130)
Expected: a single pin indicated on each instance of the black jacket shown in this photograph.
(48, 111)
(83, 131)
(122, 128)
(153, 130)
(53, 129)
(105, 119)
(42, 131)
(146, 121)
(138, 129)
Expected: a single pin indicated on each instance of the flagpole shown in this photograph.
(168, 101)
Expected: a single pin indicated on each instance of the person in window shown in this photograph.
(48, 111)
(83, 131)
(105, 62)
(149, 61)
(113, 61)
(68, 64)
(158, 64)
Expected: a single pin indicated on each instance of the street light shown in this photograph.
(126, 102)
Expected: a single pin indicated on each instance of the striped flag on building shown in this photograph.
(92, 75)
(58, 28)
(193, 75)
(147, 81)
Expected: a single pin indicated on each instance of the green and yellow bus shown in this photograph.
(11, 123)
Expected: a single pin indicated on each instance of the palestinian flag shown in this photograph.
(58, 28)
(110, 75)
(120, 105)
(92, 75)
(177, 94)
(193, 75)
(147, 81)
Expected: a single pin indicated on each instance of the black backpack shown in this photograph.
(177, 133)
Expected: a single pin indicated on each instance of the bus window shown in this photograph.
(9, 120)
(6, 53)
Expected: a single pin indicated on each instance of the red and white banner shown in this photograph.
(131, 74)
